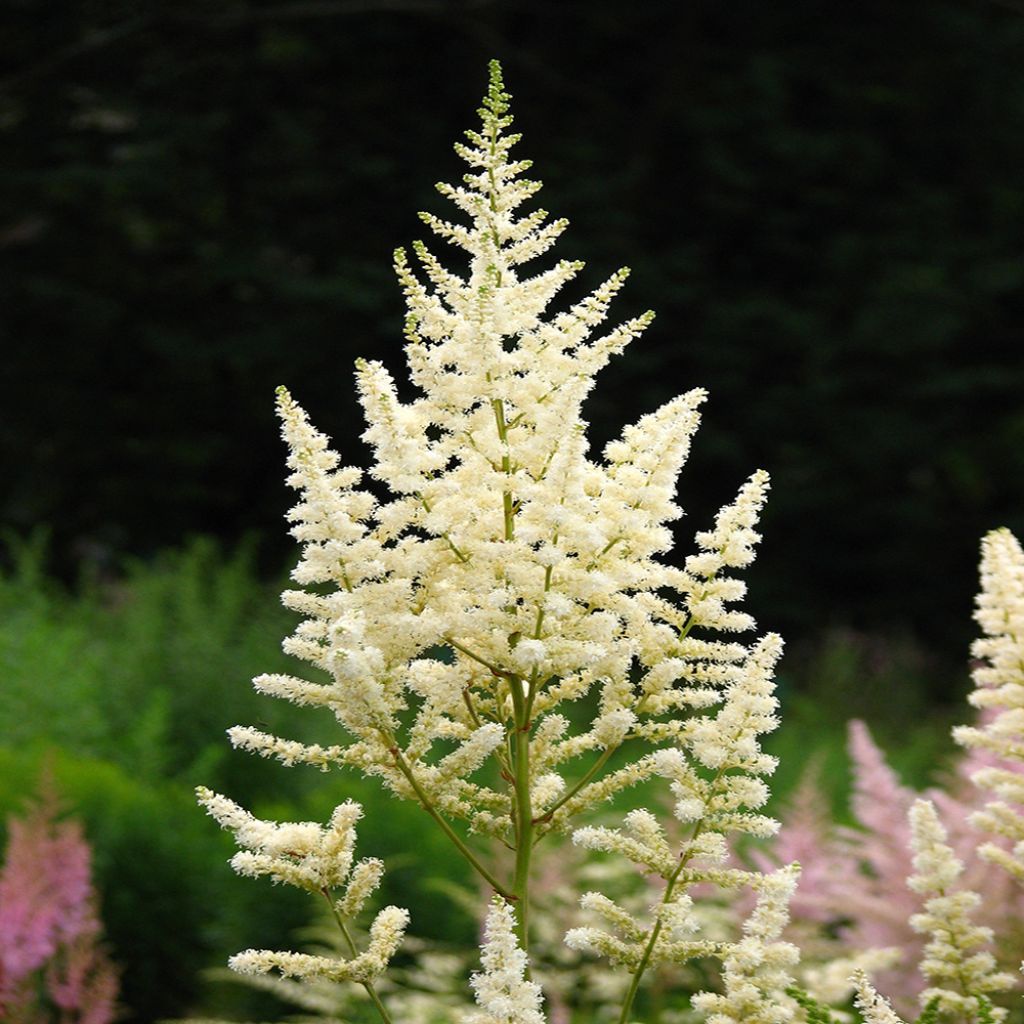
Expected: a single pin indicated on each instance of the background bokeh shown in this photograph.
(198, 202)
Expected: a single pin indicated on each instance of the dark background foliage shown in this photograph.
(823, 204)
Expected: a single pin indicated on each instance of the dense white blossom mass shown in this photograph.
(502, 990)
(506, 571)
(319, 860)
(495, 572)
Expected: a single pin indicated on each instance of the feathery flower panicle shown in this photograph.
(999, 689)
(501, 541)
(871, 864)
(756, 970)
(502, 572)
(716, 776)
(319, 860)
(874, 1007)
(960, 973)
(503, 992)
(49, 925)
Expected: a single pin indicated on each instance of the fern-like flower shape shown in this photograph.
(498, 573)
(999, 689)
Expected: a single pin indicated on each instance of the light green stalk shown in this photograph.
(371, 991)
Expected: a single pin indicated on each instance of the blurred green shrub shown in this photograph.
(154, 863)
(146, 671)
(128, 685)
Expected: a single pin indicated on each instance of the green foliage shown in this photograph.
(815, 1012)
(148, 670)
(985, 1015)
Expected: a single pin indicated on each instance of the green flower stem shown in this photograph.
(524, 811)
(566, 797)
(459, 554)
(428, 806)
(506, 467)
(368, 985)
(494, 670)
(684, 859)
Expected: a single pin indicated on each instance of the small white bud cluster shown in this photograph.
(319, 860)
(874, 1007)
(756, 970)
(502, 991)
(386, 935)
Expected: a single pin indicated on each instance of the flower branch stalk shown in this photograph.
(427, 804)
(524, 815)
(645, 959)
(368, 986)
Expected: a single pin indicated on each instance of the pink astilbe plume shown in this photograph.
(855, 879)
(49, 927)
(852, 895)
(875, 895)
(805, 838)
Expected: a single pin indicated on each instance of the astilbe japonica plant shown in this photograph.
(53, 965)
(504, 576)
(497, 584)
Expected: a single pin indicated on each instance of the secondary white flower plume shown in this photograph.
(959, 972)
(875, 1008)
(319, 860)
(756, 970)
(999, 686)
(500, 572)
(502, 991)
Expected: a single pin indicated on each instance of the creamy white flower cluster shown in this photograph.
(500, 573)
(999, 690)
(756, 970)
(959, 971)
(874, 1008)
(502, 990)
(506, 572)
(716, 777)
(319, 860)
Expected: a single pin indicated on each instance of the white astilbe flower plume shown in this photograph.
(999, 686)
(716, 777)
(874, 1008)
(502, 991)
(958, 971)
(386, 934)
(500, 540)
(497, 571)
(756, 970)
